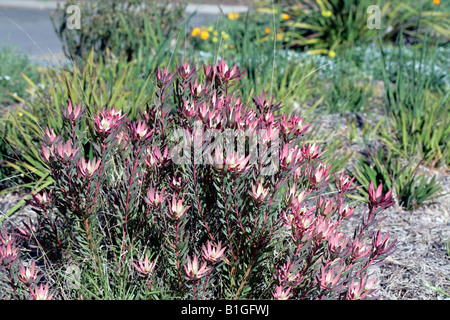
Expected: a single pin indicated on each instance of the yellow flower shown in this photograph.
(204, 35)
(332, 54)
(214, 39)
(226, 36)
(233, 15)
(280, 36)
(436, 2)
(215, 33)
(20, 114)
(267, 30)
(195, 32)
(285, 16)
(210, 29)
(327, 13)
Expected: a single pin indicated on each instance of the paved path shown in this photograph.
(27, 25)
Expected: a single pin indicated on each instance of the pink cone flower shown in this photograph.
(259, 193)
(145, 267)
(177, 208)
(361, 289)
(87, 169)
(71, 113)
(41, 293)
(281, 294)
(153, 198)
(193, 270)
(108, 120)
(213, 254)
(8, 254)
(376, 198)
(65, 151)
(28, 275)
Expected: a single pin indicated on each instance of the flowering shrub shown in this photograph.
(201, 197)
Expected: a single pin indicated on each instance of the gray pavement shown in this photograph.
(26, 24)
(31, 31)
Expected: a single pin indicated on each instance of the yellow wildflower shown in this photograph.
(210, 29)
(20, 114)
(327, 13)
(267, 30)
(332, 54)
(214, 39)
(233, 15)
(204, 35)
(436, 2)
(195, 32)
(285, 16)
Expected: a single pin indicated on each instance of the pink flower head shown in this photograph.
(324, 228)
(359, 249)
(8, 254)
(213, 254)
(188, 108)
(193, 270)
(145, 267)
(346, 211)
(28, 275)
(164, 77)
(328, 280)
(108, 120)
(49, 136)
(155, 158)
(71, 113)
(186, 71)
(259, 192)
(281, 294)
(177, 208)
(223, 74)
(41, 293)
(293, 198)
(140, 131)
(289, 156)
(236, 163)
(327, 206)
(311, 151)
(46, 153)
(153, 198)
(65, 151)
(321, 176)
(361, 289)
(344, 183)
(294, 124)
(88, 169)
(337, 242)
(376, 198)
(176, 182)
(381, 245)
(40, 200)
(197, 89)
